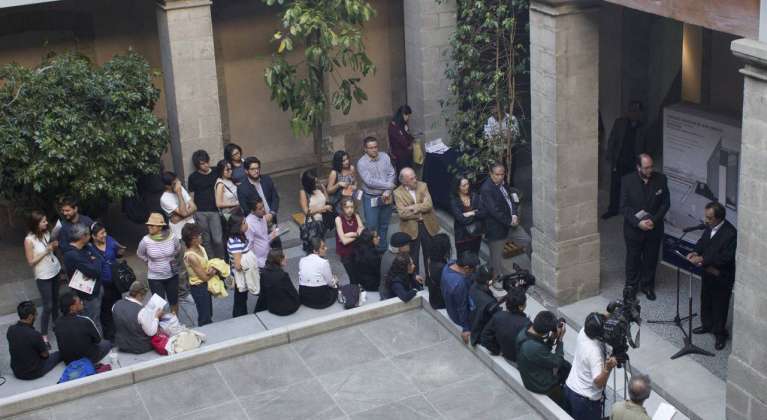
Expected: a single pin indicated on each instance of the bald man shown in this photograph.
(644, 202)
(416, 213)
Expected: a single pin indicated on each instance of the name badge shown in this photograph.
(515, 197)
(359, 194)
(659, 192)
(374, 202)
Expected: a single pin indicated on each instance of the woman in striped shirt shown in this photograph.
(159, 249)
(244, 264)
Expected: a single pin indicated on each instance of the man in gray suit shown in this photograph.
(627, 141)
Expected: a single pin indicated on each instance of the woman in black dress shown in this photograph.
(467, 217)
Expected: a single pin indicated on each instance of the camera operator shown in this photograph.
(500, 334)
(587, 379)
(542, 370)
(481, 301)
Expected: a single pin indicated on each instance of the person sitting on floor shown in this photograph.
(30, 358)
(76, 334)
(134, 324)
(278, 295)
(399, 244)
(456, 279)
(367, 260)
(483, 303)
(317, 286)
(402, 280)
(543, 371)
(500, 334)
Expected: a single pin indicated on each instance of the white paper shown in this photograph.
(82, 283)
(665, 411)
(155, 302)
(436, 146)
(641, 214)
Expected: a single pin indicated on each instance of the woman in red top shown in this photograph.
(348, 228)
(400, 140)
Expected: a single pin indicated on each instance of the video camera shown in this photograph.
(519, 278)
(617, 327)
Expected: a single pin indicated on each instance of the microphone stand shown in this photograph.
(690, 348)
(676, 320)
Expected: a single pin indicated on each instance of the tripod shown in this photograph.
(690, 348)
(676, 320)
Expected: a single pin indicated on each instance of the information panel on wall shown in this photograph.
(701, 158)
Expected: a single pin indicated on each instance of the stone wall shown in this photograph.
(747, 365)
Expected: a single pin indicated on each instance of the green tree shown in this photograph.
(69, 127)
(488, 57)
(330, 32)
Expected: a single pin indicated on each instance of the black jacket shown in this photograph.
(77, 337)
(278, 295)
(246, 192)
(496, 210)
(617, 135)
(653, 198)
(719, 252)
(500, 334)
(460, 222)
(404, 287)
(483, 305)
(88, 261)
(367, 267)
(433, 282)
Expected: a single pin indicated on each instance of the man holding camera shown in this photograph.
(715, 254)
(542, 371)
(500, 334)
(588, 378)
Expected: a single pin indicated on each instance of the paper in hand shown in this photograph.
(156, 302)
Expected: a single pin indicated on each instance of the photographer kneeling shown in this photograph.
(542, 371)
(587, 379)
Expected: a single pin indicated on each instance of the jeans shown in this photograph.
(582, 408)
(49, 293)
(212, 233)
(104, 347)
(516, 234)
(167, 289)
(92, 309)
(204, 303)
(377, 218)
(108, 298)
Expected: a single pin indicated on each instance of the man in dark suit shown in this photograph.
(501, 217)
(627, 141)
(261, 186)
(715, 253)
(644, 202)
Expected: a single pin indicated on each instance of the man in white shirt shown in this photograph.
(135, 324)
(176, 203)
(590, 371)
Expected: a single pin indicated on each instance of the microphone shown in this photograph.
(693, 228)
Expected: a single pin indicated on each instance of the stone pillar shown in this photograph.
(428, 27)
(191, 85)
(747, 365)
(564, 54)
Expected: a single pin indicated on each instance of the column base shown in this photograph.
(567, 270)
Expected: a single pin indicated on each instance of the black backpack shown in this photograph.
(349, 295)
(122, 276)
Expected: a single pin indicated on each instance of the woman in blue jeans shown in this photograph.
(39, 250)
(196, 261)
(110, 250)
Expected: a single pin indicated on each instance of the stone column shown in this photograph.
(747, 365)
(564, 54)
(191, 84)
(428, 27)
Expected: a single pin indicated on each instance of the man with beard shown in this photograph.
(70, 216)
(257, 185)
(644, 202)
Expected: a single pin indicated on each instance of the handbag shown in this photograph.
(310, 229)
(418, 156)
(122, 276)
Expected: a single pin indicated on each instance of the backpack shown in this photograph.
(122, 276)
(78, 369)
(349, 295)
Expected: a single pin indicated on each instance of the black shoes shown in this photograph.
(701, 330)
(608, 214)
(721, 341)
(650, 293)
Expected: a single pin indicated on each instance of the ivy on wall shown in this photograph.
(488, 57)
(69, 127)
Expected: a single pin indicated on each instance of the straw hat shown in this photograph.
(155, 219)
